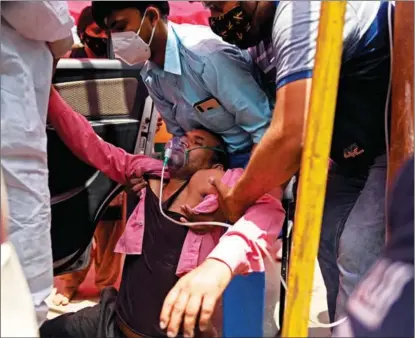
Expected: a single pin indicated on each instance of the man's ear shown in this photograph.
(218, 166)
(153, 14)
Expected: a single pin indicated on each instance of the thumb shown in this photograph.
(221, 188)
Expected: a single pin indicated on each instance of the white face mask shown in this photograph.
(130, 47)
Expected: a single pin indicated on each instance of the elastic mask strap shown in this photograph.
(142, 21)
(141, 25)
(186, 153)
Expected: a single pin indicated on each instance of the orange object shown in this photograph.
(107, 263)
(162, 135)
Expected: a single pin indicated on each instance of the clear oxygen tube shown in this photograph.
(176, 157)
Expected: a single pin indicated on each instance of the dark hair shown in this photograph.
(102, 9)
(221, 157)
(85, 19)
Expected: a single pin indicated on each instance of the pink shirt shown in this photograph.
(238, 247)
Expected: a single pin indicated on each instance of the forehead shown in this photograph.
(121, 14)
(94, 28)
(208, 138)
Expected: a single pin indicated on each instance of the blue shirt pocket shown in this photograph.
(218, 120)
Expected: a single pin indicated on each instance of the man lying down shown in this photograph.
(173, 277)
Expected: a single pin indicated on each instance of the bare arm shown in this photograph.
(277, 157)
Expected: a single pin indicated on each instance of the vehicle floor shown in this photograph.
(88, 295)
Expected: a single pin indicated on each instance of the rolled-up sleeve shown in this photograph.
(241, 247)
(294, 37)
(228, 74)
(47, 21)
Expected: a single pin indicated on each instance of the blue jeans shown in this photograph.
(353, 231)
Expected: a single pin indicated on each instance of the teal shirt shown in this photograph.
(198, 66)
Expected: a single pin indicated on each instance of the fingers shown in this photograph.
(177, 313)
(206, 312)
(187, 210)
(191, 312)
(138, 184)
(138, 187)
(168, 307)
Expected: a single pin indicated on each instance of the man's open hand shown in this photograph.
(195, 293)
(229, 205)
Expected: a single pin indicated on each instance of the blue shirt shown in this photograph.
(198, 66)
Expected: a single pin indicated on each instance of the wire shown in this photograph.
(284, 284)
(188, 224)
(224, 225)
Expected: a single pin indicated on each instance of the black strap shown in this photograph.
(167, 204)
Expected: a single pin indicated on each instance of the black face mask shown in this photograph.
(97, 45)
(233, 26)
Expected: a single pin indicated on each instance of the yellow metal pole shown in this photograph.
(314, 168)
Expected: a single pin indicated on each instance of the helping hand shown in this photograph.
(191, 216)
(197, 292)
(136, 183)
(228, 203)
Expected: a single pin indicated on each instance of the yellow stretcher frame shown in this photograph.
(314, 167)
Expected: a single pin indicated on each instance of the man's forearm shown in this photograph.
(274, 161)
(78, 135)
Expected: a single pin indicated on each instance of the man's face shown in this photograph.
(235, 21)
(199, 158)
(130, 20)
(96, 39)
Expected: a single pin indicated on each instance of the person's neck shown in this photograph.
(158, 52)
(171, 187)
(266, 17)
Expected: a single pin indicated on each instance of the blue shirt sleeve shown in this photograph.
(228, 75)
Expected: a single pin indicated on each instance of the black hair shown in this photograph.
(85, 19)
(102, 9)
(221, 157)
